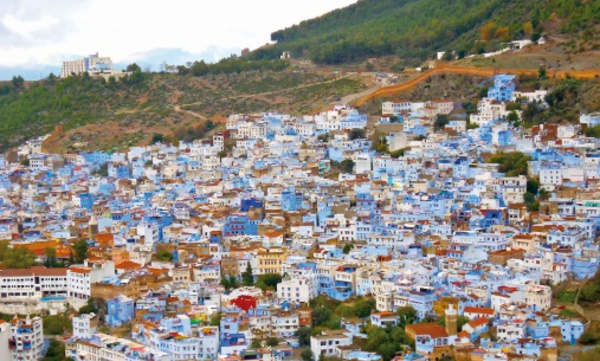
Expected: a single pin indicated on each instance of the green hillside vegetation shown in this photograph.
(136, 107)
(417, 29)
(28, 110)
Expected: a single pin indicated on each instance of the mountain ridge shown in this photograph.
(417, 29)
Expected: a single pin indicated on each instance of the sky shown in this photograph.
(37, 35)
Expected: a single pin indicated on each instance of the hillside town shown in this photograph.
(424, 234)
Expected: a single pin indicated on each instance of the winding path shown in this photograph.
(272, 92)
(465, 70)
(178, 109)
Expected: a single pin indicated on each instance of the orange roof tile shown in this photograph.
(478, 322)
(432, 329)
(480, 310)
(128, 265)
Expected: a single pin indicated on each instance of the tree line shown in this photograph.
(231, 65)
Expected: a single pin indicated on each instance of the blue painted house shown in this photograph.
(504, 87)
(120, 310)
(291, 200)
(240, 224)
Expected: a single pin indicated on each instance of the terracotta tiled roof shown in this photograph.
(478, 322)
(33, 271)
(433, 329)
(480, 310)
(128, 265)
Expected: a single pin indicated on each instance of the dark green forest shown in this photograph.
(417, 29)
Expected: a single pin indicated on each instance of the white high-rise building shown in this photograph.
(299, 290)
(27, 338)
(92, 64)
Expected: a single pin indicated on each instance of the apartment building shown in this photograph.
(299, 290)
(27, 338)
(327, 342)
(284, 324)
(33, 283)
(92, 64)
(85, 325)
(270, 260)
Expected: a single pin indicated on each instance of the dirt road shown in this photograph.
(245, 96)
(463, 70)
(178, 109)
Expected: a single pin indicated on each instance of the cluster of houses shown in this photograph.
(436, 229)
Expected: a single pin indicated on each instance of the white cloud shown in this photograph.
(47, 32)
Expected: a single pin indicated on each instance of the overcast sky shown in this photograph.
(46, 32)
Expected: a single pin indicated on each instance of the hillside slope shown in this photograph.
(103, 114)
(416, 29)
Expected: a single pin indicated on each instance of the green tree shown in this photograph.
(513, 163)
(593, 131)
(50, 255)
(589, 337)
(215, 319)
(321, 315)
(380, 144)
(55, 325)
(513, 117)
(303, 334)
(461, 321)
(347, 248)
(157, 138)
(256, 343)
(164, 256)
(324, 138)
(347, 166)
(399, 153)
(248, 276)
(19, 257)
(272, 341)
(407, 314)
(376, 336)
(225, 282)
(87, 309)
(357, 133)
(134, 78)
(363, 307)
(56, 352)
(4, 247)
(132, 68)
(18, 81)
(590, 292)
(270, 280)
(95, 305)
(388, 349)
(440, 121)
(307, 355)
(102, 171)
(80, 248)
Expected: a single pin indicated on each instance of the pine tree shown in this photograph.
(247, 276)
